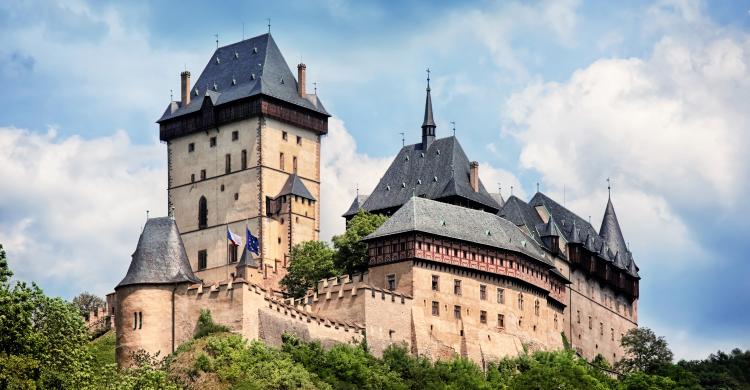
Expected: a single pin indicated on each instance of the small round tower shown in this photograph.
(145, 312)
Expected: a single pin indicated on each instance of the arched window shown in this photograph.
(202, 213)
(243, 157)
(520, 301)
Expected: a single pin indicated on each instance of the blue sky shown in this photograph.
(566, 93)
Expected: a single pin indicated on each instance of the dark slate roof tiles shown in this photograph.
(356, 205)
(160, 256)
(295, 186)
(439, 172)
(258, 68)
(461, 223)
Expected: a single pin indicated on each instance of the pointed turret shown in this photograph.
(575, 234)
(160, 256)
(550, 235)
(610, 231)
(428, 125)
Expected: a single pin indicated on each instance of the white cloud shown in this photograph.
(492, 178)
(342, 169)
(72, 208)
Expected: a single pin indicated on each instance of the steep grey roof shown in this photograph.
(593, 242)
(439, 172)
(498, 197)
(522, 215)
(428, 120)
(610, 231)
(461, 223)
(247, 258)
(356, 205)
(549, 229)
(160, 256)
(295, 186)
(251, 67)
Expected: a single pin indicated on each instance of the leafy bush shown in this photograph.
(207, 326)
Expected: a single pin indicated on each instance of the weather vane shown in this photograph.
(403, 140)
(454, 127)
(269, 24)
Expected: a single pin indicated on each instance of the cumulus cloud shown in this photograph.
(669, 129)
(342, 170)
(71, 209)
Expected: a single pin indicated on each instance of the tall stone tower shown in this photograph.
(243, 148)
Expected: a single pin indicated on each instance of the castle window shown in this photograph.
(212, 142)
(590, 323)
(501, 320)
(284, 135)
(601, 329)
(612, 331)
(135, 320)
(500, 296)
(403, 246)
(536, 307)
(202, 213)
(457, 312)
(299, 140)
(456, 287)
(578, 316)
(281, 160)
(390, 282)
(140, 320)
(228, 163)
(483, 292)
(243, 159)
(520, 301)
(235, 135)
(233, 253)
(236, 196)
(555, 320)
(483, 316)
(191, 147)
(294, 164)
(203, 174)
(435, 283)
(192, 177)
(202, 259)
(435, 308)
(222, 188)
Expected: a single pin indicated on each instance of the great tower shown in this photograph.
(243, 148)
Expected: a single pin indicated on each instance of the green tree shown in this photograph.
(310, 262)
(557, 370)
(87, 302)
(644, 352)
(351, 252)
(43, 339)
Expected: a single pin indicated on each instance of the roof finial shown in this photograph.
(609, 189)
(269, 24)
(428, 125)
(171, 96)
(403, 140)
(511, 190)
(454, 127)
(315, 87)
(146, 215)
(500, 188)
(537, 186)
(564, 198)
(217, 40)
(357, 185)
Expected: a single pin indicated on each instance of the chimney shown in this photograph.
(474, 176)
(301, 79)
(185, 87)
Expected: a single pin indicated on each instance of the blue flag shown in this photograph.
(253, 245)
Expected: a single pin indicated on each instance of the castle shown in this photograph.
(454, 271)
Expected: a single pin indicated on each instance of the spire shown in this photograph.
(575, 234)
(550, 228)
(428, 125)
(610, 231)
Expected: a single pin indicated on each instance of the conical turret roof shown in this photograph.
(160, 256)
(550, 228)
(610, 231)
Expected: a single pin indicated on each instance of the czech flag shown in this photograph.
(253, 244)
(233, 238)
